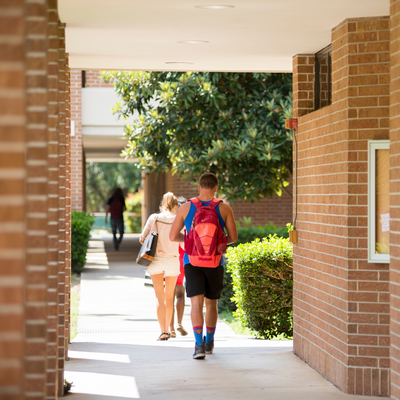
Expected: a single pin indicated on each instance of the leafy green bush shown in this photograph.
(134, 205)
(246, 235)
(262, 273)
(81, 224)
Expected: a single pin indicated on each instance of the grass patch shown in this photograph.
(234, 324)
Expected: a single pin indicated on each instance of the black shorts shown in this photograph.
(207, 281)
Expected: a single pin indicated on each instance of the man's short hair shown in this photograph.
(208, 181)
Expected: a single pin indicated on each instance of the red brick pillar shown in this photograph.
(341, 302)
(394, 198)
(53, 176)
(13, 209)
(62, 200)
(303, 84)
(67, 210)
(36, 160)
(77, 156)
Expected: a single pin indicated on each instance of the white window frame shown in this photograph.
(372, 256)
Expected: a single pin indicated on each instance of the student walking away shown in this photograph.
(204, 218)
(116, 207)
(179, 294)
(165, 266)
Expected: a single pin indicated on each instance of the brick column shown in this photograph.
(12, 200)
(367, 87)
(341, 302)
(67, 209)
(36, 199)
(394, 198)
(53, 172)
(77, 156)
(303, 84)
(62, 194)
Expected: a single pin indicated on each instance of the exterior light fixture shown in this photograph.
(193, 41)
(215, 7)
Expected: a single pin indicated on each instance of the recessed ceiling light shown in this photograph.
(193, 41)
(178, 62)
(215, 7)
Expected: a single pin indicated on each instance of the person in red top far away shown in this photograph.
(204, 284)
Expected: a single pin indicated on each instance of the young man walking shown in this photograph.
(204, 284)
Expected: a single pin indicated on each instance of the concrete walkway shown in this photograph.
(115, 354)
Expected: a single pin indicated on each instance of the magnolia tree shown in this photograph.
(230, 124)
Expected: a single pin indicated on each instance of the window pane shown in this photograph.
(382, 202)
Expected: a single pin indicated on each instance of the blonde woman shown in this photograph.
(166, 261)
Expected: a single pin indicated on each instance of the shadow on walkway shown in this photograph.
(115, 354)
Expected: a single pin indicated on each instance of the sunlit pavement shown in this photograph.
(116, 356)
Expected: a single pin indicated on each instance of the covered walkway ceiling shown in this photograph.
(250, 35)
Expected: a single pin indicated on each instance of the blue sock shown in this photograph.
(198, 334)
(210, 334)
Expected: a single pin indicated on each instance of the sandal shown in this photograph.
(182, 330)
(164, 338)
(173, 334)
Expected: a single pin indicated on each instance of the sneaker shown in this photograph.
(208, 346)
(199, 352)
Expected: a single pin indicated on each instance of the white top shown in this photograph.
(165, 248)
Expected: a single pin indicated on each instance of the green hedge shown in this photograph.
(246, 235)
(81, 223)
(262, 273)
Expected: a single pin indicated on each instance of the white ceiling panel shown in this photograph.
(258, 35)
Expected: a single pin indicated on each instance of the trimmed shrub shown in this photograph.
(134, 205)
(81, 223)
(262, 273)
(246, 235)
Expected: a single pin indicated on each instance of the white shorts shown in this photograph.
(169, 266)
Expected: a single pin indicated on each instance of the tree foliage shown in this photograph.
(102, 178)
(231, 124)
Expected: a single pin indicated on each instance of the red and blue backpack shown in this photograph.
(206, 241)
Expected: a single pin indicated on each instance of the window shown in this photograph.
(323, 78)
(378, 201)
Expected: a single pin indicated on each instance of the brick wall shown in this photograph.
(93, 80)
(276, 209)
(13, 210)
(33, 208)
(341, 302)
(394, 201)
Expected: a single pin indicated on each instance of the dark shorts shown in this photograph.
(207, 281)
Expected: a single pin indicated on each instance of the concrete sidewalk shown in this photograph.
(115, 354)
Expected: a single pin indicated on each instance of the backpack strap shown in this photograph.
(195, 201)
(215, 202)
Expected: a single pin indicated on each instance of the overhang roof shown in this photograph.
(254, 35)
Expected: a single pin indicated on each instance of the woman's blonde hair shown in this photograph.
(169, 202)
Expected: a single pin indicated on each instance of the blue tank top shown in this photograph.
(188, 225)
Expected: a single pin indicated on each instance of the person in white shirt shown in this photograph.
(165, 266)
